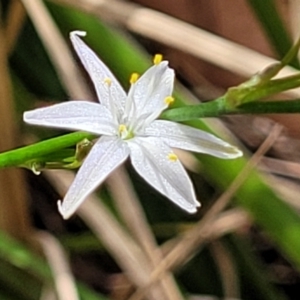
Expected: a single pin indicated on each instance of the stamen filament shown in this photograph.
(111, 104)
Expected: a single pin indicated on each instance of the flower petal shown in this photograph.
(106, 155)
(192, 139)
(74, 115)
(155, 162)
(110, 93)
(149, 92)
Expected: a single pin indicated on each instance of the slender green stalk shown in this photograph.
(268, 15)
(19, 156)
(204, 110)
(254, 93)
(269, 107)
(215, 109)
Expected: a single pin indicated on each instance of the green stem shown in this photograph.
(272, 87)
(204, 110)
(269, 107)
(19, 156)
(215, 109)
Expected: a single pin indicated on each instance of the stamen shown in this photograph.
(169, 100)
(172, 157)
(157, 59)
(110, 103)
(122, 128)
(107, 80)
(134, 77)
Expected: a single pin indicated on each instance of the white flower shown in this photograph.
(128, 127)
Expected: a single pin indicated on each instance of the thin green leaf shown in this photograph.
(22, 155)
(272, 23)
(21, 258)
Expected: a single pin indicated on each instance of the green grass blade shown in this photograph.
(272, 23)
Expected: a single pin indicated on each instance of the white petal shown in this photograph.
(149, 157)
(112, 96)
(192, 139)
(149, 92)
(74, 115)
(106, 155)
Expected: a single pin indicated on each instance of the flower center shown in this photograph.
(124, 133)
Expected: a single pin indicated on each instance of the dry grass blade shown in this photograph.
(198, 42)
(57, 49)
(14, 23)
(12, 184)
(130, 210)
(132, 213)
(281, 167)
(57, 260)
(226, 222)
(287, 189)
(227, 270)
(191, 240)
(294, 12)
(193, 237)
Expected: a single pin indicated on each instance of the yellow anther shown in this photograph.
(107, 80)
(133, 78)
(157, 59)
(122, 128)
(172, 157)
(169, 100)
